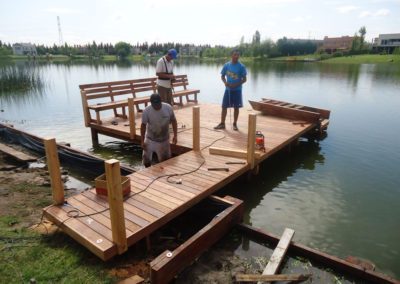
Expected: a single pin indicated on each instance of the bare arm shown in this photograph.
(164, 75)
(175, 129)
(142, 134)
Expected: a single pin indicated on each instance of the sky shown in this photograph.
(214, 22)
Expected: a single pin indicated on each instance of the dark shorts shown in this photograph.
(232, 98)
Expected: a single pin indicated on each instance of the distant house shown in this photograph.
(24, 49)
(333, 44)
(387, 42)
(190, 50)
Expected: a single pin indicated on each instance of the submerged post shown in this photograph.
(114, 189)
(53, 165)
(131, 112)
(251, 139)
(196, 128)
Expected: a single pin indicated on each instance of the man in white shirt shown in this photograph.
(154, 130)
(165, 74)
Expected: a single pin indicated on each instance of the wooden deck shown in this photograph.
(154, 200)
(278, 132)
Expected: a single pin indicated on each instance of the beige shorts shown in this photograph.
(165, 94)
(162, 149)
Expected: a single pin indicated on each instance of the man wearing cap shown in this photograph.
(165, 74)
(154, 130)
(233, 75)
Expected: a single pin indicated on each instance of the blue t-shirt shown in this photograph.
(234, 73)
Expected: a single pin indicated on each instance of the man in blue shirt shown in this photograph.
(233, 74)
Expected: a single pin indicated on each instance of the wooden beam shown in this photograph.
(168, 264)
(278, 277)
(251, 140)
(329, 261)
(95, 137)
(53, 164)
(196, 128)
(18, 155)
(132, 123)
(279, 252)
(115, 200)
(86, 111)
(234, 153)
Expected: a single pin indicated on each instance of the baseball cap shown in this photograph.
(173, 53)
(155, 99)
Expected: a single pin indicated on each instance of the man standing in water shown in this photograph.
(165, 74)
(233, 74)
(154, 130)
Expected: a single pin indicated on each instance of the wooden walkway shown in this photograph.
(154, 200)
(278, 132)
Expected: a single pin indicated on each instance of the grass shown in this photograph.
(365, 58)
(28, 255)
(13, 78)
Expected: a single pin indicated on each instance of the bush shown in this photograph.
(325, 56)
(337, 54)
(396, 51)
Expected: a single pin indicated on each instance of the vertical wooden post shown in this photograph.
(53, 165)
(86, 111)
(251, 139)
(131, 112)
(115, 200)
(95, 137)
(196, 128)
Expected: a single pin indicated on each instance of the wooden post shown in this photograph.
(86, 111)
(95, 137)
(53, 165)
(251, 140)
(131, 112)
(115, 200)
(196, 128)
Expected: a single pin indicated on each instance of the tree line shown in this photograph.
(256, 47)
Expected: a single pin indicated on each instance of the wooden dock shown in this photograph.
(164, 191)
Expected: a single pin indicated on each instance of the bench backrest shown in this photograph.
(116, 88)
(180, 81)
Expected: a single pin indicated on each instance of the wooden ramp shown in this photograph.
(164, 191)
(153, 201)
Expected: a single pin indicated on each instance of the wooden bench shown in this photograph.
(114, 95)
(180, 90)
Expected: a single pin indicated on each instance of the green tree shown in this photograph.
(256, 38)
(122, 49)
(362, 31)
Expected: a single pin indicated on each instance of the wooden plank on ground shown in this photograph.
(278, 277)
(16, 154)
(329, 261)
(168, 264)
(279, 252)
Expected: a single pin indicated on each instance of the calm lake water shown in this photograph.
(341, 195)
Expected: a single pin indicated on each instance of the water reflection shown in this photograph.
(273, 172)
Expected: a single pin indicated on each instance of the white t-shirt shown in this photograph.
(163, 66)
(157, 122)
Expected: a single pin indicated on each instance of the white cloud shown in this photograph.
(382, 12)
(364, 14)
(298, 19)
(347, 9)
(379, 13)
(62, 11)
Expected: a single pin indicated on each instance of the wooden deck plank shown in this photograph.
(20, 156)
